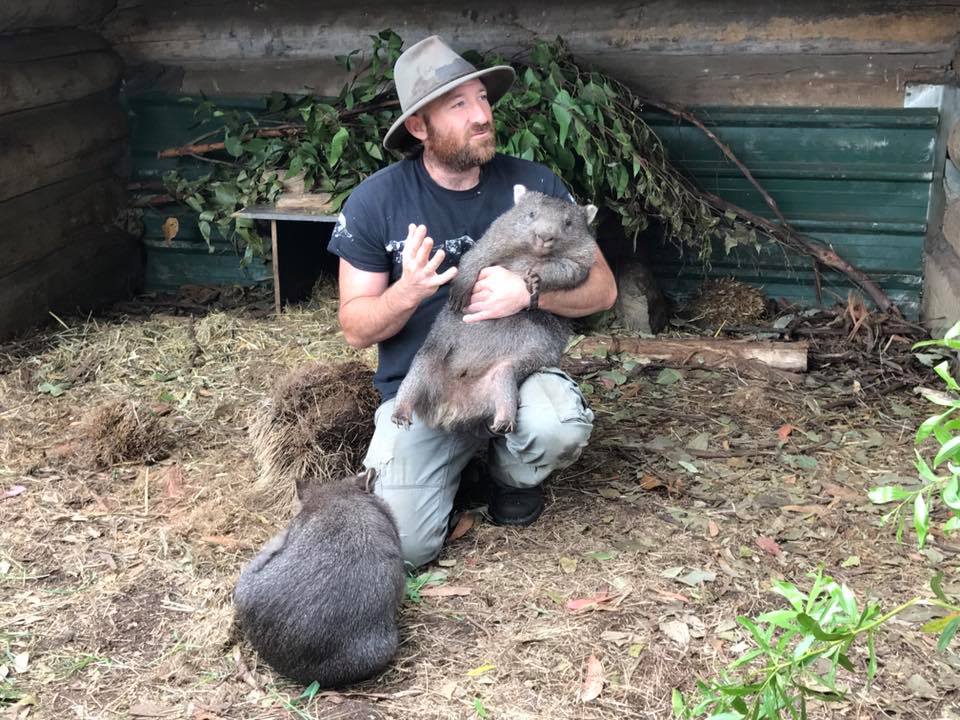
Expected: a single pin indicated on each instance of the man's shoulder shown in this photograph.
(533, 175)
(385, 179)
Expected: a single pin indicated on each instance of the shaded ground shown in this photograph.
(115, 585)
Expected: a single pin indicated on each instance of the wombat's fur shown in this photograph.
(466, 375)
(320, 600)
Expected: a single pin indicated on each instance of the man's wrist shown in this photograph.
(406, 296)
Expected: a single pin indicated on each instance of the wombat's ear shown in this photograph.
(591, 212)
(518, 192)
(367, 479)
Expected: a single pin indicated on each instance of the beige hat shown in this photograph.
(426, 71)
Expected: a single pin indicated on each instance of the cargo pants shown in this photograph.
(418, 468)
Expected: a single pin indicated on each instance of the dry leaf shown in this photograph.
(584, 603)
(20, 663)
(842, 493)
(768, 545)
(592, 680)
(677, 631)
(173, 478)
(171, 226)
(464, 524)
(478, 671)
(805, 509)
(568, 565)
(784, 432)
(445, 591)
(650, 482)
(668, 596)
(712, 529)
(151, 710)
(13, 491)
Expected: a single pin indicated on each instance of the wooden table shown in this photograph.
(297, 256)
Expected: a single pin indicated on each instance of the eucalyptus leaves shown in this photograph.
(583, 125)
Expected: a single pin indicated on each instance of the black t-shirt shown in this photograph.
(372, 228)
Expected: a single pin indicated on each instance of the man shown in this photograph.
(393, 284)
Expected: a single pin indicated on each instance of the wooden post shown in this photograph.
(275, 259)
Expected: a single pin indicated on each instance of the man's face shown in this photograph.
(459, 127)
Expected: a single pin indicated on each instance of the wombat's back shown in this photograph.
(320, 602)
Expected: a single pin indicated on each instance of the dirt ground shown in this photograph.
(115, 583)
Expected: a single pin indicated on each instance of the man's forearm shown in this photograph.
(367, 320)
(598, 292)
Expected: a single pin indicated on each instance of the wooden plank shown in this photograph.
(18, 15)
(271, 212)
(36, 83)
(92, 271)
(60, 141)
(42, 221)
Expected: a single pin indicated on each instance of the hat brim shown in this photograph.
(497, 80)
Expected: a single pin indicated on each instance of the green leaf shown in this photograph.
(949, 451)
(948, 634)
(205, 230)
(939, 624)
(337, 145)
(813, 627)
(921, 519)
(952, 525)
(887, 493)
(791, 593)
(563, 120)
(943, 370)
(52, 389)
(676, 701)
(233, 145)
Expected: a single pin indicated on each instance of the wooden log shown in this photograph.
(951, 224)
(49, 44)
(30, 84)
(34, 14)
(44, 220)
(59, 141)
(703, 352)
(92, 271)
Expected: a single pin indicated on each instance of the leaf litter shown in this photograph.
(134, 563)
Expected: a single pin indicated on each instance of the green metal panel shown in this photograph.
(856, 180)
(156, 122)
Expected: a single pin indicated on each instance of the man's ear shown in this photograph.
(518, 192)
(416, 126)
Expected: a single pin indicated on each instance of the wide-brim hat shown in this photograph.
(429, 69)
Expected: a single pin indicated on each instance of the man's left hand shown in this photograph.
(497, 293)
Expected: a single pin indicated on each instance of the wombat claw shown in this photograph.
(401, 420)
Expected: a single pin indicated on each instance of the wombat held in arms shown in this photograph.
(320, 600)
(466, 376)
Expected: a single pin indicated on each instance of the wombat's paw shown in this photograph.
(402, 417)
(502, 426)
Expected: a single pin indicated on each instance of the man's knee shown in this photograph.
(561, 441)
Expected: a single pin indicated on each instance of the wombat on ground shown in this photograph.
(320, 600)
(466, 376)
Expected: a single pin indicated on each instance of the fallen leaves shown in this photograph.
(440, 591)
(13, 491)
(768, 545)
(464, 524)
(592, 680)
(600, 601)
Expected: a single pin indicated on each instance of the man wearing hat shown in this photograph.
(400, 237)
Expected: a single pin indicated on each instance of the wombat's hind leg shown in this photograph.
(503, 390)
(413, 390)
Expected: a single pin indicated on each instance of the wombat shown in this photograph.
(320, 600)
(466, 376)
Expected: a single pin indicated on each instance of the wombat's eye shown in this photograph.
(568, 222)
(532, 215)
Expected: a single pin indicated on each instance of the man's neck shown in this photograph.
(451, 179)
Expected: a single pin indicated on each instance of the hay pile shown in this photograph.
(317, 422)
(726, 301)
(121, 431)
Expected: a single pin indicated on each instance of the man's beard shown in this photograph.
(460, 154)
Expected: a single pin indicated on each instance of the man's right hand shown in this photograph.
(419, 279)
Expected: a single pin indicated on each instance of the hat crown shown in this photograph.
(424, 67)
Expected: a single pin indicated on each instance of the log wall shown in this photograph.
(859, 53)
(63, 150)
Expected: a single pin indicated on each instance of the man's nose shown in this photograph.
(480, 113)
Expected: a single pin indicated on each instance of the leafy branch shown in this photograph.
(944, 426)
(798, 651)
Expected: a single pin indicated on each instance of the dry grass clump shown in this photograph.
(121, 431)
(726, 301)
(317, 422)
